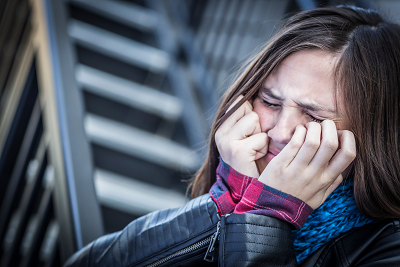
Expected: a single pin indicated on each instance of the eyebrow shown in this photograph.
(271, 94)
(315, 107)
(309, 106)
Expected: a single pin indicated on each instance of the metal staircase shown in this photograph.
(142, 118)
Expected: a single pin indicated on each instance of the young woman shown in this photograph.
(303, 165)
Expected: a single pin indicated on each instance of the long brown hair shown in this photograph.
(368, 77)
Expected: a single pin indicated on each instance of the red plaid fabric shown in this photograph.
(236, 193)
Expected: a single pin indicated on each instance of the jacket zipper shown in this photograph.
(210, 254)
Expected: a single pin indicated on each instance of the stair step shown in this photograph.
(141, 144)
(118, 47)
(129, 93)
(141, 18)
(132, 196)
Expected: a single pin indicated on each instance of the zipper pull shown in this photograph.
(210, 254)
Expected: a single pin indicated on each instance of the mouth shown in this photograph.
(264, 161)
(272, 153)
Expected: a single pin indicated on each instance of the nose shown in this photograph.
(284, 128)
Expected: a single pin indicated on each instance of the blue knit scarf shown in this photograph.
(336, 215)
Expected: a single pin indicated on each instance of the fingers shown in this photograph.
(244, 109)
(258, 143)
(328, 147)
(289, 152)
(248, 125)
(344, 156)
(310, 146)
(239, 139)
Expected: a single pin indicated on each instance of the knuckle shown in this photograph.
(296, 144)
(347, 134)
(312, 143)
(350, 153)
(331, 144)
(253, 116)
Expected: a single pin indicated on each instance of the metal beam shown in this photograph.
(197, 65)
(76, 206)
(193, 119)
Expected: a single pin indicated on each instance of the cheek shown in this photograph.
(266, 116)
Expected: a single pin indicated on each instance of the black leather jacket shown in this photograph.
(186, 235)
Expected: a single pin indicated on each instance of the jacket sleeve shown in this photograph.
(87, 255)
(253, 240)
(381, 249)
(373, 245)
(153, 237)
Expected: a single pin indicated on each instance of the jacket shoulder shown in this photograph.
(375, 244)
(153, 236)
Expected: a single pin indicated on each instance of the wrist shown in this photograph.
(262, 199)
(229, 187)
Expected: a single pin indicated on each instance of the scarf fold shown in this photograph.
(335, 216)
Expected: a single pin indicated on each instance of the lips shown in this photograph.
(272, 153)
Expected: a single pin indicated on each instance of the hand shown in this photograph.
(309, 167)
(240, 141)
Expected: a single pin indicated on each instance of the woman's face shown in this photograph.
(301, 89)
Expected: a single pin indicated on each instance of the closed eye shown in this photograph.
(315, 119)
(268, 104)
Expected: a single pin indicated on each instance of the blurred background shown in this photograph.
(106, 106)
